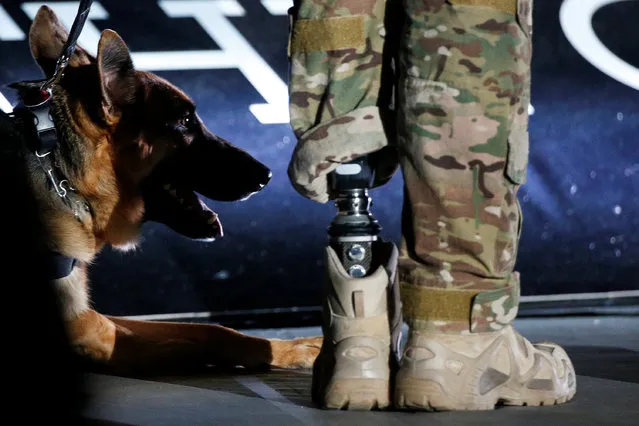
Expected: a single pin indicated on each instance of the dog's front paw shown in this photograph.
(296, 353)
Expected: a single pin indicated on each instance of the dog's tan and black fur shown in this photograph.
(133, 149)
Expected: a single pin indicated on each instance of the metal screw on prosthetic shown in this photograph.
(354, 228)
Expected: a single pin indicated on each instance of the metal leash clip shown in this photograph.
(59, 187)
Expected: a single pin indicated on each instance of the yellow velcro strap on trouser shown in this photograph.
(321, 35)
(508, 6)
(478, 310)
(434, 304)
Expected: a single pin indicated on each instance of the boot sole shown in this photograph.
(428, 395)
(357, 394)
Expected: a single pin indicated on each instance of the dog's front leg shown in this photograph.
(153, 347)
(189, 343)
(92, 335)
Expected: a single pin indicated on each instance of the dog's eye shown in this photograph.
(186, 121)
(184, 124)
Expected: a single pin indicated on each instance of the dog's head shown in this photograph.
(144, 151)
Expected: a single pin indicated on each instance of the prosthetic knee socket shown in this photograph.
(354, 229)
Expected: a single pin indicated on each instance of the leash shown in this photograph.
(37, 103)
(69, 47)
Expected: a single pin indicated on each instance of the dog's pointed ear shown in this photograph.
(47, 37)
(117, 74)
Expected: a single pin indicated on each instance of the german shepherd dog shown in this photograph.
(132, 149)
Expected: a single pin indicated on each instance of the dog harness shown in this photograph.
(35, 107)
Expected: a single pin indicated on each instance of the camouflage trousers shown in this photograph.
(442, 87)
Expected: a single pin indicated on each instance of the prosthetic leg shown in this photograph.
(362, 313)
(354, 228)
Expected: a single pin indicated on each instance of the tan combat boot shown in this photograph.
(476, 370)
(362, 323)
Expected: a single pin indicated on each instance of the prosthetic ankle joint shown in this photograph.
(354, 228)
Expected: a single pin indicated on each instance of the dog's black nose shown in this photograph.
(264, 177)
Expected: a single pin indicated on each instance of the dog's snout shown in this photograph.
(251, 173)
(221, 171)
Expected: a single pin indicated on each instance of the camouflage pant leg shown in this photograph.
(339, 108)
(463, 142)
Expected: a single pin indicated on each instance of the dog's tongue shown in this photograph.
(181, 210)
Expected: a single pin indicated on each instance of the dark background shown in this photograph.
(581, 202)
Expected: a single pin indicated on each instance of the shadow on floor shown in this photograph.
(605, 362)
(601, 362)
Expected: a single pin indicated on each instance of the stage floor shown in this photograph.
(604, 350)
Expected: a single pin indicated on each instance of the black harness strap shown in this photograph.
(38, 104)
(60, 266)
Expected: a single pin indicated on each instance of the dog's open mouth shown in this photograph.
(216, 170)
(182, 210)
